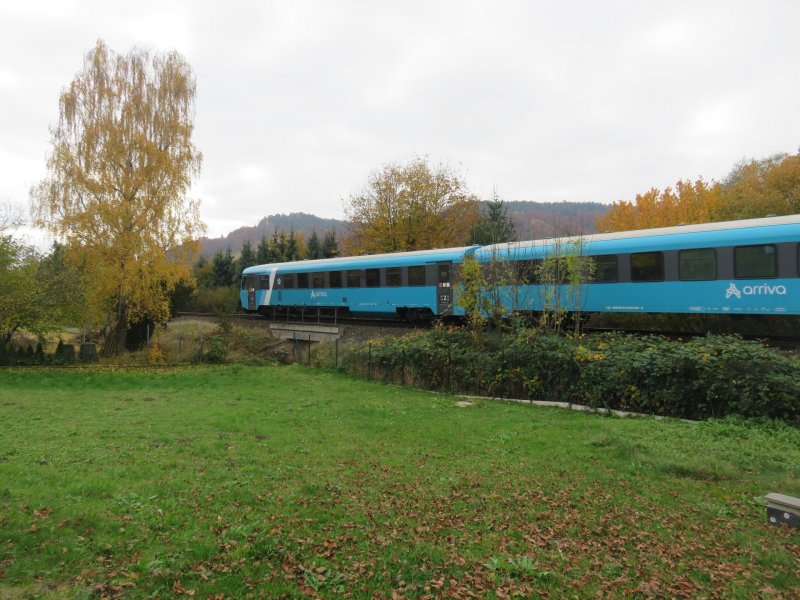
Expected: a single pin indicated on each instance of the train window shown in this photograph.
(264, 282)
(606, 268)
(318, 280)
(285, 281)
(244, 282)
(302, 280)
(416, 275)
(373, 277)
(697, 265)
(496, 272)
(393, 277)
(354, 279)
(523, 272)
(755, 261)
(647, 266)
(552, 270)
(335, 279)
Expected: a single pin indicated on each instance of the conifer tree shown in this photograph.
(330, 247)
(247, 258)
(313, 247)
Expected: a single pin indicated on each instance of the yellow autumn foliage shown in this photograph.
(756, 188)
(121, 164)
(411, 207)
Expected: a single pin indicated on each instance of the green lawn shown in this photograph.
(288, 482)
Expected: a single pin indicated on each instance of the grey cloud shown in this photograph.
(542, 101)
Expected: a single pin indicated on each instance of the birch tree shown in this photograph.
(120, 168)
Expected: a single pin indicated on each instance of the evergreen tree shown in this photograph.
(330, 247)
(292, 246)
(247, 258)
(204, 272)
(39, 353)
(263, 254)
(278, 246)
(313, 248)
(494, 225)
(224, 271)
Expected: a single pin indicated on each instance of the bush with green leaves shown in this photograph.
(218, 300)
(704, 377)
(216, 350)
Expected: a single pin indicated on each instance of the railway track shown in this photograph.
(315, 320)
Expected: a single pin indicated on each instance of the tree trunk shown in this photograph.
(115, 340)
(7, 337)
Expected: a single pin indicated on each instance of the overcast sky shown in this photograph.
(298, 102)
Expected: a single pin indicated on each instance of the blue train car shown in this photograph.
(738, 267)
(404, 284)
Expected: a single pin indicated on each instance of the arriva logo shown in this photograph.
(755, 290)
(319, 295)
(732, 291)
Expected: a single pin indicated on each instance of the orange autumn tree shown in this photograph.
(754, 188)
(687, 202)
(757, 188)
(121, 164)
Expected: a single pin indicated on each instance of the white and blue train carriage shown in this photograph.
(410, 285)
(739, 267)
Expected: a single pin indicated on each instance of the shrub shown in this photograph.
(704, 377)
(217, 350)
(217, 300)
(39, 357)
(64, 354)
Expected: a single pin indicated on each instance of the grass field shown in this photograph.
(231, 482)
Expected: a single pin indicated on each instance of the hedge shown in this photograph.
(699, 378)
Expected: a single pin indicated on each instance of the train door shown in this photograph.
(251, 292)
(444, 290)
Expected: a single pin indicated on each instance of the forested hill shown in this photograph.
(536, 220)
(532, 220)
(299, 222)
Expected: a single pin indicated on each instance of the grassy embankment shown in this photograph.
(269, 481)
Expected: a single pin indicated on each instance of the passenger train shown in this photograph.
(737, 267)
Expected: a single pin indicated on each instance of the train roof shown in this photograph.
(741, 231)
(390, 259)
(662, 238)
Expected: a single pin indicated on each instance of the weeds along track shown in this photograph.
(255, 319)
(375, 327)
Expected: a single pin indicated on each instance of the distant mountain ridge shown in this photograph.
(533, 220)
(299, 222)
(537, 220)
